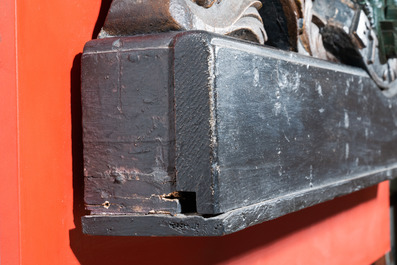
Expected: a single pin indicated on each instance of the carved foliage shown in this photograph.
(238, 18)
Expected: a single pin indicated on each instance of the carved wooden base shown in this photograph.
(238, 18)
(199, 134)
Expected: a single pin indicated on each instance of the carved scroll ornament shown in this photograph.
(239, 18)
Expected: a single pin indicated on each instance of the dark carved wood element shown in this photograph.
(198, 134)
(239, 18)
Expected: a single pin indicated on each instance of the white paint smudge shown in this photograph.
(287, 116)
(310, 177)
(116, 43)
(296, 82)
(280, 165)
(256, 77)
(347, 87)
(319, 90)
(347, 151)
(347, 121)
(321, 110)
(277, 108)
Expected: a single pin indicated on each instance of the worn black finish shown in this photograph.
(128, 125)
(227, 223)
(254, 132)
(194, 119)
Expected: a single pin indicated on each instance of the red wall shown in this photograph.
(9, 198)
(40, 116)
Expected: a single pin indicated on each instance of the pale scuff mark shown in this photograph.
(280, 165)
(347, 82)
(277, 108)
(319, 90)
(347, 149)
(296, 82)
(287, 116)
(347, 121)
(347, 87)
(310, 177)
(256, 77)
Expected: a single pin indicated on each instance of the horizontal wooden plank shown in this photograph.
(211, 134)
(275, 123)
(229, 222)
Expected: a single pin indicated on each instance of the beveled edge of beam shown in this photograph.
(232, 221)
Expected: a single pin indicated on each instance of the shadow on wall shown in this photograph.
(105, 6)
(98, 250)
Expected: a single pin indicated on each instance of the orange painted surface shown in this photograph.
(9, 201)
(51, 34)
(350, 230)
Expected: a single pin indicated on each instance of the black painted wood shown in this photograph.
(127, 125)
(254, 132)
(229, 222)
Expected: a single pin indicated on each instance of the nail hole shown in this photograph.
(106, 204)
